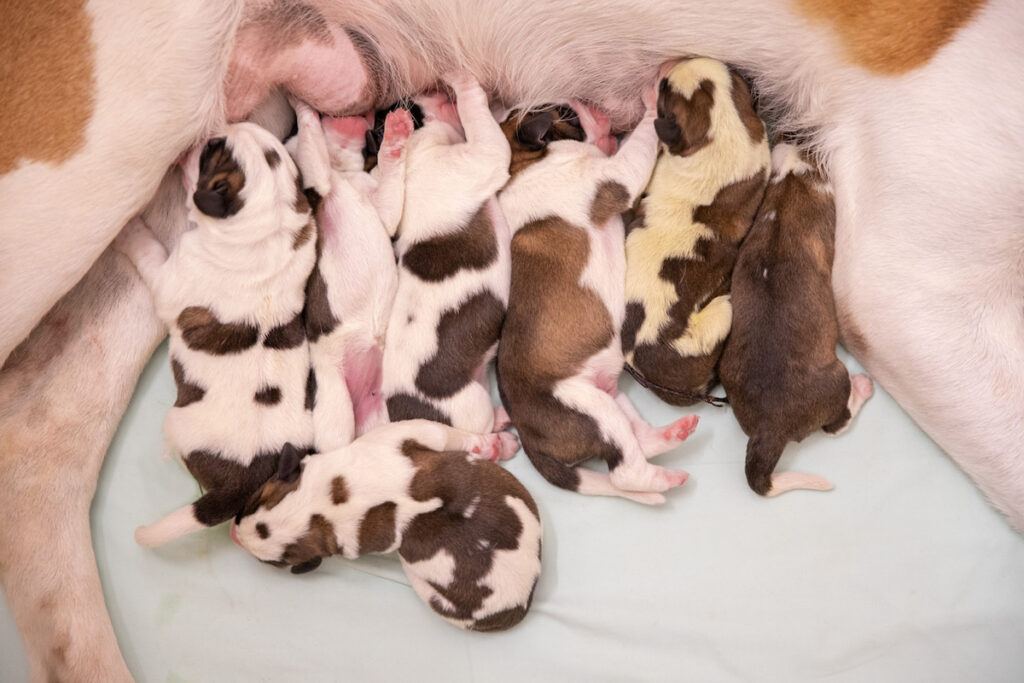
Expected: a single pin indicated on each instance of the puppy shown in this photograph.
(681, 246)
(232, 296)
(453, 265)
(560, 356)
(529, 133)
(355, 280)
(467, 532)
(779, 365)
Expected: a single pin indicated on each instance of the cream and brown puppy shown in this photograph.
(779, 366)
(560, 356)
(354, 283)
(681, 246)
(467, 532)
(453, 265)
(232, 295)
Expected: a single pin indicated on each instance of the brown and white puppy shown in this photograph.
(779, 366)
(467, 532)
(559, 357)
(681, 247)
(453, 275)
(232, 295)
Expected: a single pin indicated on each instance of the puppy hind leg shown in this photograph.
(763, 455)
(585, 481)
(861, 389)
(656, 440)
(179, 523)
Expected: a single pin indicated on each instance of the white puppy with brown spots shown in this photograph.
(355, 266)
(453, 265)
(232, 295)
(467, 532)
(560, 354)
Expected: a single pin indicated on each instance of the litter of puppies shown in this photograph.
(537, 239)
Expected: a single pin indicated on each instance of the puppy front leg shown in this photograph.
(311, 153)
(389, 196)
(439, 437)
(633, 164)
(484, 140)
(143, 249)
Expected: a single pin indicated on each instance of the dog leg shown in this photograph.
(389, 196)
(62, 393)
(861, 389)
(656, 440)
(439, 437)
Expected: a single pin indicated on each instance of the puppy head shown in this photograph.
(530, 133)
(241, 175)
(687, 117)
(275, 525)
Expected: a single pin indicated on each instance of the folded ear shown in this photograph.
(532, 130)
(668, 131)
(288, 466)
(307, 566)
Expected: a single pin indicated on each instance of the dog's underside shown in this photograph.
(914, 108)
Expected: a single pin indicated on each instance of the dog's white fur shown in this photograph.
(929, 230)
(375, 471)
(357, 214)
(449, 179)
(244, 268)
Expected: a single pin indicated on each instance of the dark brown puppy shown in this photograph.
(779, 365)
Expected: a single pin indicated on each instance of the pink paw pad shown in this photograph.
(508, 445)
(501, 419)
(397, 129)
(681, 429)
(862, 385)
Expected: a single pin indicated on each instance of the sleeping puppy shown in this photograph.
(560, 357)
(529, 133)
(354, 283)
(681, 246)
(779, 366)
(467, 532)
(453, 265)
(232, 296)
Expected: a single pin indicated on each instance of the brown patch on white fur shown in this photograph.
(530, 133)
(471, 247)
(201, 330)
(46, 71)
(610, 199)
(891, 36)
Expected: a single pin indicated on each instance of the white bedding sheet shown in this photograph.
(902, 573)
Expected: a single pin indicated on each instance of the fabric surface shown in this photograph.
(902, 573)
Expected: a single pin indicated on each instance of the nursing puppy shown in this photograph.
(467, 532)
(529, 133)
(355, 280)
(779, 366)
(681, 247)
(232, 296)
(453, 265)
(560, 356)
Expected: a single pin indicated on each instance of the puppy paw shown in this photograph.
(398, 127)
(647, 479)
(643, 497)
(495, 447)
(501, 419)
(680, 430)
(461, 81)
(862, 386)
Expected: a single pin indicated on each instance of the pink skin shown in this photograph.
(398, 127)
(362, 370)
(438, 107)
(495, 447)
(329, 76)
(597, 127)
(501, 419)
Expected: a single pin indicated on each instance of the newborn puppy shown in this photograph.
(354, 283)
(779, 366)
(467, 532)
(530, 133)
(232, 295)
(681, 246)
(453, 265)
(560, 356)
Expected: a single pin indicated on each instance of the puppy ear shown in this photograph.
(288, 466)
(307, 566)
(211, 202)
(532, 130)
(668, 131)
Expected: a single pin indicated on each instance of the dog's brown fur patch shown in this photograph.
(47, 63)
(287, 336)
(202, 331)
(377, 530)
(304, 234)
(228, 484)
(528, 150)
(610, 199)
(310, 401)
(268, 396)
(691, 117)
(409, 407)
(464, 336)
(891, 36)
(318, 541)
(471, 247)
(339, 490)
(188, 392)
(553, 325)
(744, 106)
(319, 318)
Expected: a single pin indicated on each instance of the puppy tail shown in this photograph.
(179, 523)
(763, 455)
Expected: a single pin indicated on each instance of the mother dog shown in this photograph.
(914, 107)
